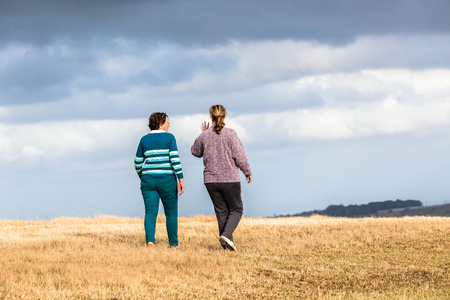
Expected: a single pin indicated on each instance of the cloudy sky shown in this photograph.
(336, 102)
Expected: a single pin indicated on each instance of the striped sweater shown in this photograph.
(157, 156)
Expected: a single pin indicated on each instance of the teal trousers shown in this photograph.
(165, 189)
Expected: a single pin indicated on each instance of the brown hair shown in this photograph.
(156, 119)
(218, 114)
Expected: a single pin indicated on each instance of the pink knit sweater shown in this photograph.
(223, 155)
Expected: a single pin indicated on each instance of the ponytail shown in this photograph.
(218, 114)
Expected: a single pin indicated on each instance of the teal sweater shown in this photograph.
(157, 156)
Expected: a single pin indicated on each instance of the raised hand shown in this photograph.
(204, 126)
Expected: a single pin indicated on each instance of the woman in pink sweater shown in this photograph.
(223, 155)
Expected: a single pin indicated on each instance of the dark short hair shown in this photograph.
(156, 119)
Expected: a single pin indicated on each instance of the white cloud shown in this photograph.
(68, 141)
(256, 63)
(380, 118)
(376, 84)
(401, 101)
(423, 83)
(186, 128)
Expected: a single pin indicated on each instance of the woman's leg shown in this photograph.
(231, 193)
(151, 201)
(169, 199)
(220, 207)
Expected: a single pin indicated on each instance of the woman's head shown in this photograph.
(158, 120)
(218, 114)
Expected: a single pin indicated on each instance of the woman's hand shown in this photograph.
(181, 186)
(204, 126)
(248, 178)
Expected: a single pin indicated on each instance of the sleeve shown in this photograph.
(139, 159)
(175, 158)
(197, 147)
(239, 156)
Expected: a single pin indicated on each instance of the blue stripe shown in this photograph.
(158, 167)
(157, 172)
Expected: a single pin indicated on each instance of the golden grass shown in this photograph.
(287, 258)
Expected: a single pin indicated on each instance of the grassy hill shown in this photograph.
(389, 208)
(435, 210)
(285, 258)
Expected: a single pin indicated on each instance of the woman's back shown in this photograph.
(223, 155)
(157, 155)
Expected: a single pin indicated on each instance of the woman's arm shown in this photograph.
(174, 158)
(139, 160)
(197, 147)
(240, 157)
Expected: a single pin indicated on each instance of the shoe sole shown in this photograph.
(226, 242)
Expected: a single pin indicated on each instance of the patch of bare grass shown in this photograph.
(312, 258)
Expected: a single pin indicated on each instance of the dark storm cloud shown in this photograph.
(46, 74)
(204, 22)
(34, 78)
(181, 50)
(41, 75)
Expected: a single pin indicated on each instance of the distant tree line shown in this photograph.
(359, 210)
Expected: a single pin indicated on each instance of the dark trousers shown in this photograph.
(227, 201)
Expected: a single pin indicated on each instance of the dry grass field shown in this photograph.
(286, 258)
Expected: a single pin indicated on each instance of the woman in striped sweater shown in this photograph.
(158, 166)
